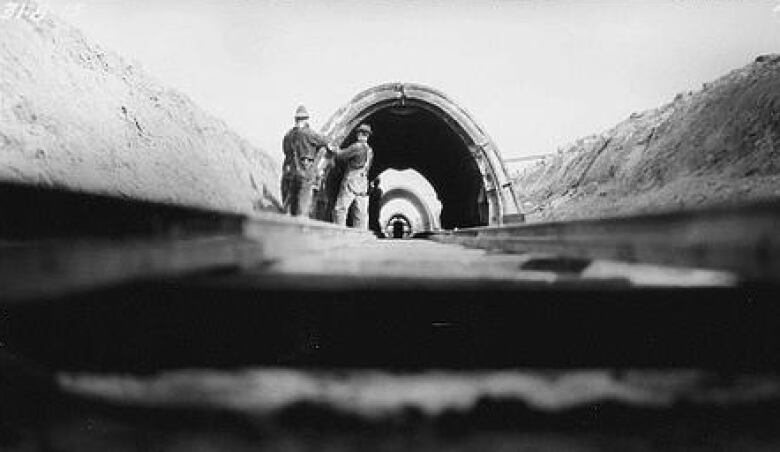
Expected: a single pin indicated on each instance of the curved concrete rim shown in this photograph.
(498, 186)
(429, 222)
(403, 218)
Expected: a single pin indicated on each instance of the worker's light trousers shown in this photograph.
(353, 191)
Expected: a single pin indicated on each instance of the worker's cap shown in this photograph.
(364, 128)
(301, 113)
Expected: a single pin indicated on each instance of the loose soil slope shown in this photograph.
(75, 115)
(716, 146)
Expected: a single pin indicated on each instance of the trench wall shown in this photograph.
(73, 114)
(718, 145)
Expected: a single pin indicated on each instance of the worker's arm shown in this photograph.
(343, 154)
(317, 140)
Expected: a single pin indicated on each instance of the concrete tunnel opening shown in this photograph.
(416, 127)
(414, 138)
(398, 226)
(401, 200)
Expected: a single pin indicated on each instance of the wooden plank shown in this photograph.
(745, 240)
(55, 242)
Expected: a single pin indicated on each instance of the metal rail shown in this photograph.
(744, 240)
(526, 158)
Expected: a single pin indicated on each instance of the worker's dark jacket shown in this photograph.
(300, 147)
(355, 155)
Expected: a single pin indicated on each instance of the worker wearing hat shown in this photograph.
(301, 147)
(354, 187)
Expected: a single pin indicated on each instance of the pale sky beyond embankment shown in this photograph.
(536, 75)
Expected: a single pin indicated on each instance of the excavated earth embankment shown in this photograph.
(75, 115)
(716, 146)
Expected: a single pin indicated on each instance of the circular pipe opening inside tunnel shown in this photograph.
(398, 227)
(425, 221)
(420, 128)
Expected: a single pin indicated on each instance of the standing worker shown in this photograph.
(299, 174)
(375, 206)
(354, 186)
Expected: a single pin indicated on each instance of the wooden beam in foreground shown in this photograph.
(744, 240)
(54, 242)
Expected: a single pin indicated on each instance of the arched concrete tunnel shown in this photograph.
(420, 128)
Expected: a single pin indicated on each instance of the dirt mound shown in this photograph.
(75, 115)
(718, 145)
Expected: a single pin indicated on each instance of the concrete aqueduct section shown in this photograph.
(428, 221)
(419, 127)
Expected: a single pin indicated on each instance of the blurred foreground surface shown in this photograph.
(271, 333)
(288, 409)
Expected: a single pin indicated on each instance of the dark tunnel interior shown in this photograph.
(417, 138)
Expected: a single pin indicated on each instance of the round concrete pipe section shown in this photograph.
(428, 222)
(420, 128)
(399, 227)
